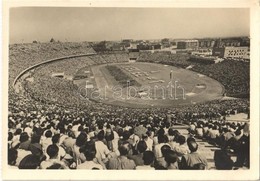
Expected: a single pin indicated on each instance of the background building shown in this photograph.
(188, 44)
(206, 43)
(149, 46)
(234, 42)
(231, 52)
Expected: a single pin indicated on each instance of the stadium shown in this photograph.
(62, 91)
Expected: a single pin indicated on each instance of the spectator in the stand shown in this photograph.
(89, 151)
(160, 162)
(199, 131)
(135, 139)
(182, 149)
(12, 156)
(148, 158)
(109, 136)
(162, 140)
(17, 134)
(35, 147)
(122, 162)
(53, 153)
(160, 133)
(80, 141)
(101, 149)
(243, 152)
(171, 159)
(229, 134)
(10, 139)
(222, 159)
(21, 153)
(115, 142)
(46, 141)
(141, 148)
(170, 134)
(213, 134)
(24, 141)
(174, 142)
(189, 160)
(205, 130)
(63, 135)
(56, 140)
(69, 143)
(148, 140)
(29, 162)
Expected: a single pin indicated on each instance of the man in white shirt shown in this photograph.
(53, 153)
(90, 154)
(162, 140)
(46, 140)
(101, 149)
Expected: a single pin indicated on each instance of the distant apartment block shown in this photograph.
(207, 43)
(235, 42)
(149, 46)
(231, 52)
(188, 44)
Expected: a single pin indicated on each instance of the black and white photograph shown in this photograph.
(143, 89)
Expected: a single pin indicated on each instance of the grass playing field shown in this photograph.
(158, 86)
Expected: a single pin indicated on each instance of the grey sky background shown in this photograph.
(96, 24)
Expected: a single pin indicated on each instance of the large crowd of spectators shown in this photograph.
(233, 74)
(22, 56)
(49, 127)
(50, 137)
(122, 57)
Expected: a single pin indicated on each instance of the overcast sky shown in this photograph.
(96, 24)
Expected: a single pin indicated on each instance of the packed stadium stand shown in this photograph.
(50, 126)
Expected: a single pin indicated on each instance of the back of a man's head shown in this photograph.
(53, 150)
(29, 162)
(161, 139)
(101, 135)
(161, 132)
(124, 149)
(126, 135)
(148, 157)
(191, 139)
(48, 134)
(141, 146)
(171, 132)
(56, 138)
(181, 139)
(23, 137)
(171, 157)
(193, 146)
(164, 149)
(81, 139)
(90, 151)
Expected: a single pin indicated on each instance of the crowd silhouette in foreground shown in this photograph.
(50, 137)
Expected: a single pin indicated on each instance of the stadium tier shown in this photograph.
(57, 119)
